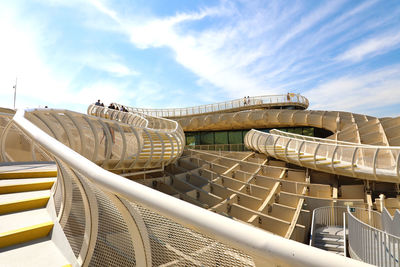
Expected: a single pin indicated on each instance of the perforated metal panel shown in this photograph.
(74, 226)
(175, 245)
(114, 244)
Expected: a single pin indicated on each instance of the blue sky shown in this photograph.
(342, 55)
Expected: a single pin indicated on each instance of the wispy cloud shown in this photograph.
(107, 63)
(359, 93)
(372, 47)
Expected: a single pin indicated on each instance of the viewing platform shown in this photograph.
(287, 101)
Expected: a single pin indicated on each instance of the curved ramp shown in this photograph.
(132, 142)
(380, 163)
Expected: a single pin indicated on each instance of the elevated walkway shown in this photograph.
(255, 102)
(378, 163)
(130, 143)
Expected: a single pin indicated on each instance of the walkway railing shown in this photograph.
(364, 161)
(237, 104)
(134, 142)
(105, 214)
(370, 244)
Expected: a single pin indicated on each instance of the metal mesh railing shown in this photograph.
(372, 245)
(237, 104)
(354, 160)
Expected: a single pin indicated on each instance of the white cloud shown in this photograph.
(371, 47)
(213, 55)
(364, 93)
(107, 63)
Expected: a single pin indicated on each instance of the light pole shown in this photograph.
(15, 91)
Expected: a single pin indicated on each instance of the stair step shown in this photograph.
(328, 240)
(28, 174)
(344, 166)
(13, 197)
(15, 221)
(328, 162)
(306, 156)
(329, 247)
(25, 234)
(23, 185)
(22, 205)
(311, 160)
(40, 252)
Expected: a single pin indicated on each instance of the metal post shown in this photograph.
(15, 90)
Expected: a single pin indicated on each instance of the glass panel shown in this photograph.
(207, 138)
(191, 140)
(308, 131)
(235, 137)
(221, 137)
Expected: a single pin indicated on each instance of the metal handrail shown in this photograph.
(265, 248)
(245, 103)
(354, 160)
(372, 245)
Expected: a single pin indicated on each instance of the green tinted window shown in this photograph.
(235, 137)
(308, 131)
(221, 137)
(192, 138)
(297, 130)
(207, 138)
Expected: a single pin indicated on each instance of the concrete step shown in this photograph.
(329, 240)
(333, 235)
(40, 252)
(28, 174)
(13, 197)
(25, 184)
(14, 221)
(329, 247)
(21, 227)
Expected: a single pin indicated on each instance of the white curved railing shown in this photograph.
(349, 159)
(117, 216)
(237, 104)
(371, 245)
(133, 143)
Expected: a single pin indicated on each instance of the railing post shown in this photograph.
(333, 158)
(315, 155)
(353, 161)
(298, 154)
(374, 162)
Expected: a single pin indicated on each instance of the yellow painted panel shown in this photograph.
(26, 187)
(25, 234)
(32, 174)
(27, 204)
